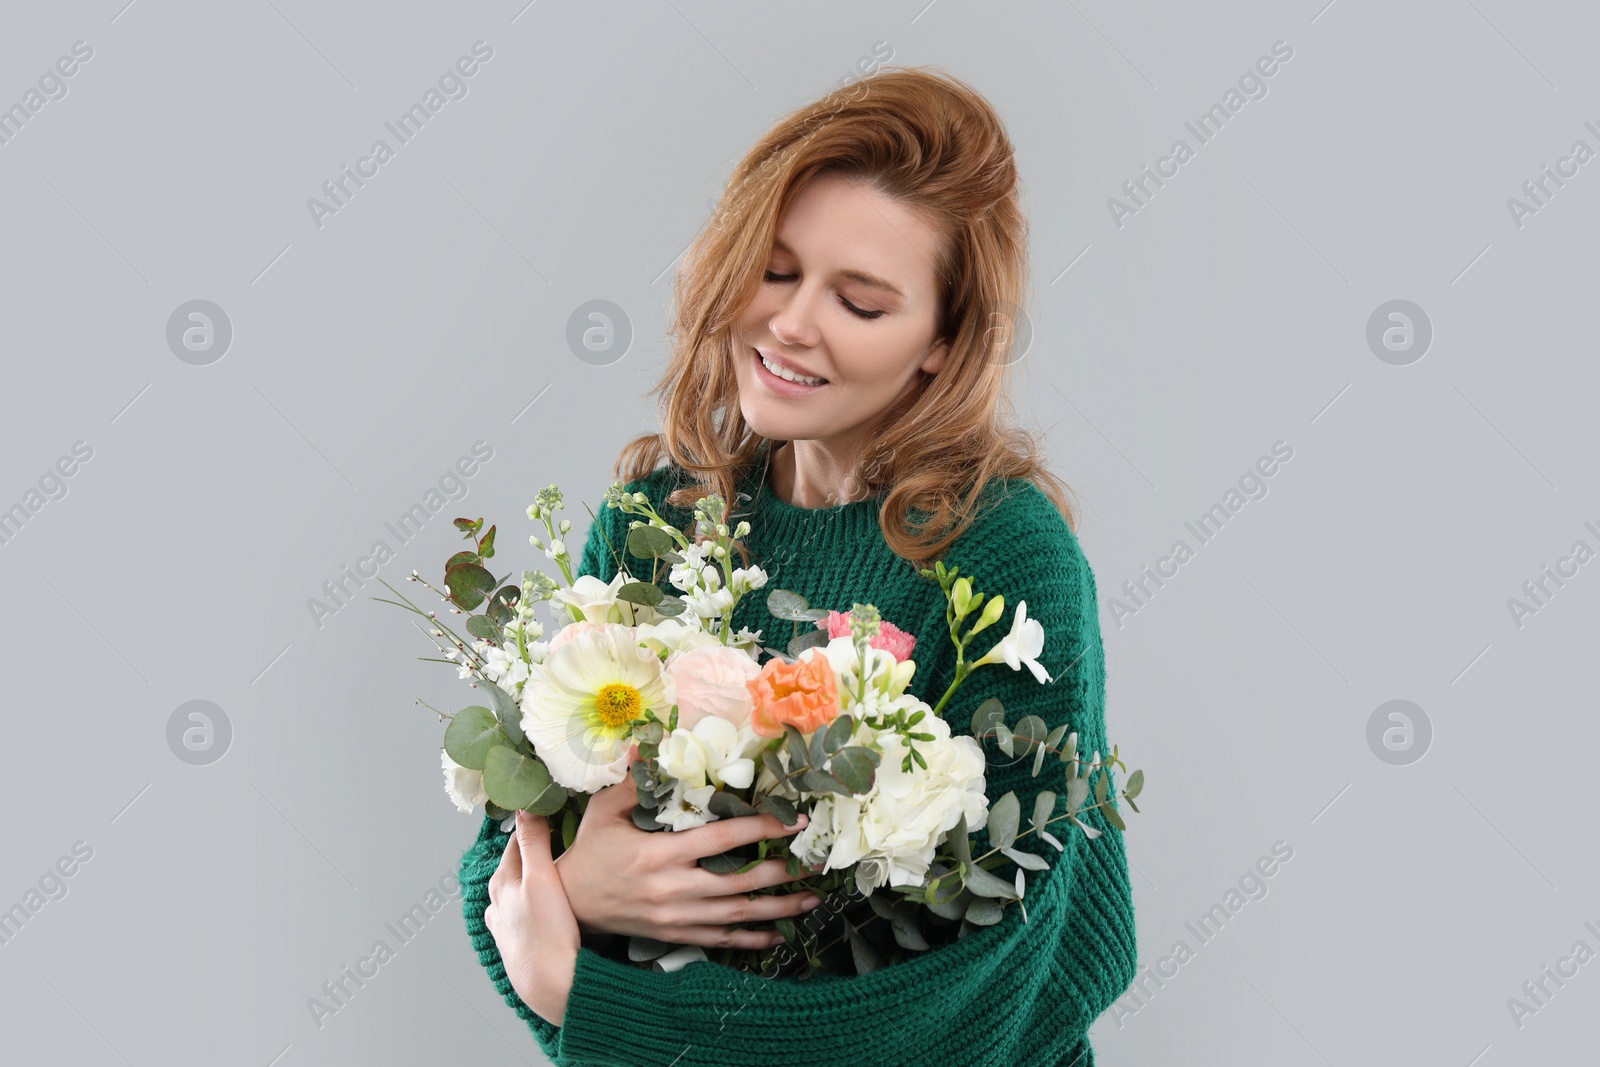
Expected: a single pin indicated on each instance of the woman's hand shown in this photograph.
(531, 922)
(624, 880)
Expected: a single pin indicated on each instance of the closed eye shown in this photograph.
(771, 277)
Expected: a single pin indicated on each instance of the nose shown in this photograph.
(794, 324)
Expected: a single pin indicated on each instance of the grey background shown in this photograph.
(1228, 313)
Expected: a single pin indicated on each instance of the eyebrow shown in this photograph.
(854, 275)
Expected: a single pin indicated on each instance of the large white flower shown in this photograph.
(1021, 646)
(892, 832)
(578, 706)
(714, 752)
(464, 785)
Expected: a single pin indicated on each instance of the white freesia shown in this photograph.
(1021, 646)
(674, 634)
(714, 752)
(579, 705)
(464, 785)
(887, 678)
(892, 832)
(597, 600)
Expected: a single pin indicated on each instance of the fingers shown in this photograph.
(764, 875)
(713, 911)
(724, 834)
(620, 797)
(724, 937)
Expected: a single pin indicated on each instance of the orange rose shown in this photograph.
(804, 695)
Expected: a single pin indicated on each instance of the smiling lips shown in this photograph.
(785, 372)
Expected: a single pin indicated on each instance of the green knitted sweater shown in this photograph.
(1018, 993)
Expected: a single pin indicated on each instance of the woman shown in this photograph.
(840, 357)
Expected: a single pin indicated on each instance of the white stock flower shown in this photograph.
(1021, 646)
(686, 807)
(892, 832)
(579, 705)
(464, 785)
(689, 574)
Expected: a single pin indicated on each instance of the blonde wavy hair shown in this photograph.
(929, 141)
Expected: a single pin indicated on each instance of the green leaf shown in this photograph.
(483, 626)
(506, 710)
(468, 525)
(1044, 805)
(1054, 739)
(648, 542)
(643, 593)
(502, 605)
(486, 544)
(984, 911)
(470, 736)
(780, 807)
(952, 908)
(469, 584)
(728, 806)
(1004, 737)
(989, 714)
(642, 949)
(798, 757)
(786, 604)
(867, 957)
(721, 863)
(806, 640)
(815, 781)
(1003, 817)
(786, 926)
(459, 558)
(1113, 817)
(856, 767)
(1027, 860)
(1077, 792)
(1135, 784)
(838, 734)
(960, 843)
(671, 605)
(770, 760)
(986, 884)
(1100, 787)
(569, 828)
(817, 754)
(1030, 730)
(1038, 758)
(513, 780)
(907, 927)
(1069, 751)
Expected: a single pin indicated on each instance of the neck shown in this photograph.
(810, 474)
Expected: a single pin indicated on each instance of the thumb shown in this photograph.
(623, 793)
(533, 840)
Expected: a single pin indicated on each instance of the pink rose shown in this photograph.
(889, 637)
(710, 680)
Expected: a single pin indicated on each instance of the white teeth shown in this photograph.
(787, 374)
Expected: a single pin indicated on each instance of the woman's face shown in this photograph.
(849, 296)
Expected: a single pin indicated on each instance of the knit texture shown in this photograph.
(1018, 993)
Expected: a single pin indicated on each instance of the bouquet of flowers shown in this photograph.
(641, 682)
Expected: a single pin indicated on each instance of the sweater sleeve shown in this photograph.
(973, 1001)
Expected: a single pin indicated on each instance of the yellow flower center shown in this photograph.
(617, 704)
